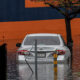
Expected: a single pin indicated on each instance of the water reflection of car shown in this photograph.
(46, 45)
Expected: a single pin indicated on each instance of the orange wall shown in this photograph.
(34, 3)
(17, 30)
(20, 29)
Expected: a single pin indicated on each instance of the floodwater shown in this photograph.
(45, 71)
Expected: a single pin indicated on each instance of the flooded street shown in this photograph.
(45, 71)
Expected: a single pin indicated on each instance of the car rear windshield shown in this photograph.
(42, 40)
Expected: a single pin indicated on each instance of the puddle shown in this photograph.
(45, 72)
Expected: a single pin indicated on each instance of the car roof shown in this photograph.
(44, 34)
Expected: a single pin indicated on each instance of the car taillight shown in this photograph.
(61, 52)
(22, 52)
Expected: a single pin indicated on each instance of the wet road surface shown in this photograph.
(45, 71)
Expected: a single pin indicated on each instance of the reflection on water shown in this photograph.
(45, 72)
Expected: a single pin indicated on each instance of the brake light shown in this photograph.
(22, 52)
(61, 52)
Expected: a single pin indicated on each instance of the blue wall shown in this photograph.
(14, 10)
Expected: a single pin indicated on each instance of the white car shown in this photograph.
(46, 45)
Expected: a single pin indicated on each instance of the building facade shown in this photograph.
(21, 17)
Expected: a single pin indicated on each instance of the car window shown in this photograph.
(42, 40)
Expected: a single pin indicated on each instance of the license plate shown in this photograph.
(41, 55)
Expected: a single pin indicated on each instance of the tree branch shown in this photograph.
(75, 12)
(57, 8)
(73, 16)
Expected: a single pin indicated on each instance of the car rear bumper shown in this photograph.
(21, 59)
(40, 62)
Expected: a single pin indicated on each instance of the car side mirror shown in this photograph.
(18, 44)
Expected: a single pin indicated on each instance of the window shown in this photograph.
(42, 40)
